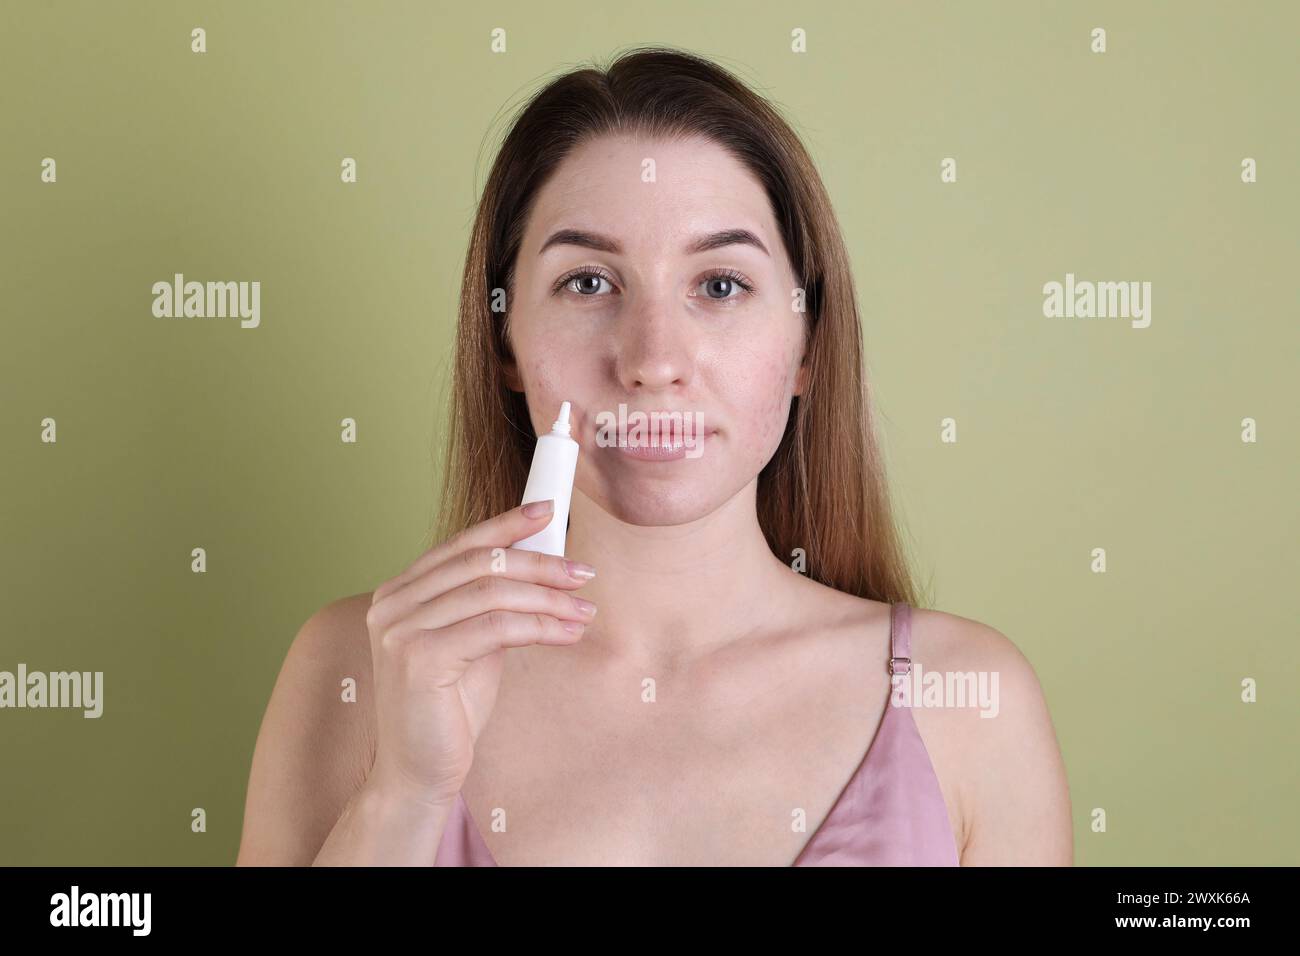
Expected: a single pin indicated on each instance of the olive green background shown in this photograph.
(1073, 433)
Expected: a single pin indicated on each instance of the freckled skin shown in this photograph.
(652, 336)
(768, 422)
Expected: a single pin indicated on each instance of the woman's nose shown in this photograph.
(654, 350)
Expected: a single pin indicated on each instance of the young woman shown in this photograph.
(654, 236)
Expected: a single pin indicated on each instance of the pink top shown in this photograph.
(890, 813)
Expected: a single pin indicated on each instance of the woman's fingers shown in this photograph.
(499, 531)
(475, 594)
(462, 643)
(483, 595)
(482, 563)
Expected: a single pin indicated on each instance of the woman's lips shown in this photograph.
(691, 446)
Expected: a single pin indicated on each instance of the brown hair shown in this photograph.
(824, 489)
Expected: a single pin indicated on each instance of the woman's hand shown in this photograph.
(438, 632)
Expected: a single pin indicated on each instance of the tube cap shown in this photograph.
(561, 426)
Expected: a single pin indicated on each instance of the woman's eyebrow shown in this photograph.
(593, 240)
(727, 237)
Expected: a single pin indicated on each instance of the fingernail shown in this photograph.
(586, 607)
(574, 627)
(535, 509)
(579, 571)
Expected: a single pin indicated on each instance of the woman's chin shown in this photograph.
(660, 506)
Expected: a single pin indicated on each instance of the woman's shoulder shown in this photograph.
(334, 642)
(334, 645)
(982, 715)
(316, 738)
(940, 639)
(338, 628)
(979, 704)
(950, 642)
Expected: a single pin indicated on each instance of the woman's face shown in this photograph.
(620, 309)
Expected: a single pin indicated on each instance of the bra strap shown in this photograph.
(900, 638)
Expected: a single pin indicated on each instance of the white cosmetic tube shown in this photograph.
(551, 476)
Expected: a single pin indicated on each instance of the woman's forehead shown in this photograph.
(641, 196)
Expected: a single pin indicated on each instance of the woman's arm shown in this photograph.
(1014, 782)
(383, 829)
(308, 800)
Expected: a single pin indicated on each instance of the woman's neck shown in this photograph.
(667, 595)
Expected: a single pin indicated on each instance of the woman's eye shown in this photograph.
(586, 283)
(722, 285)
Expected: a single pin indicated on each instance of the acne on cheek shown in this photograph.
(769, 412)
(540, 374)
(541, 380)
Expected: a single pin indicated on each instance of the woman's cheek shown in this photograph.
(542, 382)
(769, 407)
(552, 365)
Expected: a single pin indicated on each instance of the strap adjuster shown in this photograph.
(905, 660)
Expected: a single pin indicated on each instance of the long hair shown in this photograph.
(824, 490)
